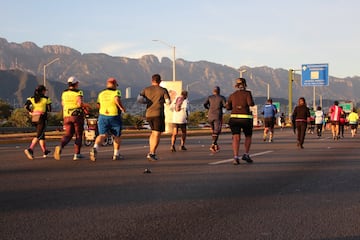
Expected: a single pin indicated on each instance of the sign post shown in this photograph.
(315, 75)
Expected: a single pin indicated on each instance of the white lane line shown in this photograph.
(100, 150)
(230, 160)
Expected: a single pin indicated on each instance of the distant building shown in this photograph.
(128, 92)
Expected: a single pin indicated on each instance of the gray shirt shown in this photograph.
(156, 97)
(215, 104)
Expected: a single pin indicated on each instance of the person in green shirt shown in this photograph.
(110, 120)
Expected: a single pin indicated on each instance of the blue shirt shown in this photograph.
(269, 110)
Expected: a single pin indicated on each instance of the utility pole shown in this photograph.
(291, 79)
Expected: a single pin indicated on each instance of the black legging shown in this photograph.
(40, 127)
(319, 129)
(301, 131)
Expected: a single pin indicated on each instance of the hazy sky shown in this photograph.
(274, 33)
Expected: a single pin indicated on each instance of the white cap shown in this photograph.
(72, 80)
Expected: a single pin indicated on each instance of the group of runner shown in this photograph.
(156, 97)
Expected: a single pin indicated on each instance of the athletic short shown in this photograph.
(269, 122)
(156, 123)
(353, 125)
(215, 126)
(241, 124)
(335, 122)
(182, 126)
(110, 125)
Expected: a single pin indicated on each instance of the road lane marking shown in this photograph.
(100, 150)
(231, 159)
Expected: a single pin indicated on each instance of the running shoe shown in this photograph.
(183, 148)
(46, 153)
(29, 153)
(93, 154)
(77, 156)
(214, 148)
(236, 161)
(247, 158)
(152, 157)
(57, 153)
(172, 148)
(117, 157)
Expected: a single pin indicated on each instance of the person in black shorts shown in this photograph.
(155, 97)
(38, 106)
(269, 111)
(215, 104)
(282, 121)
(180, 108)
(241, 119)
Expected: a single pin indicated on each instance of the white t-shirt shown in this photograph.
(180, 117)
(319, 117)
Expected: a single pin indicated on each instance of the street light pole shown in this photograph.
(320, 100)
(241, 72)
(173, 53)
(54, 60)
(291, 77)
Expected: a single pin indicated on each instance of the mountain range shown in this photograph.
(22, 69)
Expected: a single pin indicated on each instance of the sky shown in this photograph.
(254, 33)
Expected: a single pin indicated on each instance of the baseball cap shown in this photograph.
(72, 80)
(112, 81)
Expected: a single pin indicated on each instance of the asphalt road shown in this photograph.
(287, 193)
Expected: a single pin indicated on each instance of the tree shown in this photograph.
(197, 117)
(5, 110)
(20, 118)
(55, 118)
(226, 118)
(135, 121)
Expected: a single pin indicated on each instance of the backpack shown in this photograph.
(178, 104)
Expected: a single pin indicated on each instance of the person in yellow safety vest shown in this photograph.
(353, 119)
(110, 121)
(73, 118)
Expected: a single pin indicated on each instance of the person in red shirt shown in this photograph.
(335, 113)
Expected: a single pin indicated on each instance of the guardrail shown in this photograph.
(7, 130)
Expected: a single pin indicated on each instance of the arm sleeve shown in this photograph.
(250, 100)
(229, 104)
(27, 105)
(206, 103)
